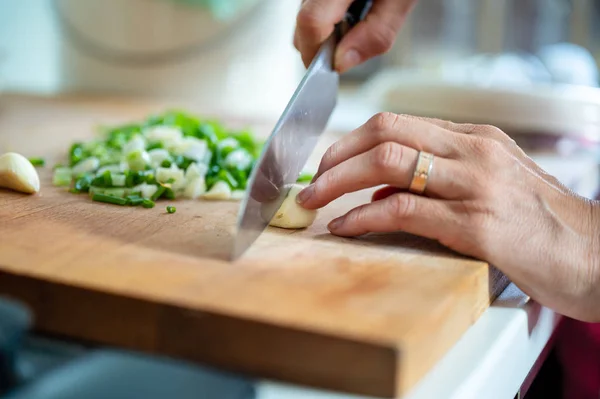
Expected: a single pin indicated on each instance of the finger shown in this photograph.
(315, 22)
(388, 163)
(385, 192)
(422, 216)
(296, 32)
(373, 36)
(384, 127)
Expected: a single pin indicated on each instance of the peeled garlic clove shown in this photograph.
(291, 215)
(17, 173)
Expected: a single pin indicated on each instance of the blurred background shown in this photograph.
(232, 51)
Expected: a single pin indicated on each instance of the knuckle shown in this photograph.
(325, 183)
(358, 216)
(382, 39)
(387, 156)
(331, 153)
(484, 147)
(468, 128)
(383, 121)
(401, 206)
(491, 130)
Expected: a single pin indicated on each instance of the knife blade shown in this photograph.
(293, 138)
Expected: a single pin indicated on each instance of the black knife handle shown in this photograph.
(357, 11)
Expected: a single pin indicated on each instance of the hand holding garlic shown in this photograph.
(18, 174)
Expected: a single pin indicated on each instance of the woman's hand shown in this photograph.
(374, 36)
(484, 198)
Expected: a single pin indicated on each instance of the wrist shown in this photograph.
(594, 258)
(585, 262)
(575, 254)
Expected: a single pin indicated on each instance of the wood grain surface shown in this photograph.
(367, 316)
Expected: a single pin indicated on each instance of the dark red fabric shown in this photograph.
(578, 348)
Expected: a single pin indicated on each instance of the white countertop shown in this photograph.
(494, 357)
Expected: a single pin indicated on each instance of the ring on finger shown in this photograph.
(422, 172)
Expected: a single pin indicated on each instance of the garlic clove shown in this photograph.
(291, 215)
(17, 173)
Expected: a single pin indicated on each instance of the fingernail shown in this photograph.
(349, 59)
(304, 195)
(336, 224)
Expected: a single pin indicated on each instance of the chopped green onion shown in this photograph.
(183, 162)
(159, 192)
(175, 176)
(37, 161)
(103, 180)
(169, 193)
(148, 204)
(62, 176)
(129, 178)
(83, 183)
(87, 165)
(138, 160)
(226, 176)
(155, 146)
(134, 200)
(109, 199)
(165, 156)
(305, 177)
(238, 159)
(107, 178)
(115, 192)
(118, 179)
(76, 154)
(171, 209)
(240, 177)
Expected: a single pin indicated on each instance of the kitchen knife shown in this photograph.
(294, 137)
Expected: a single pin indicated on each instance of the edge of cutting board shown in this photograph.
(321, 360)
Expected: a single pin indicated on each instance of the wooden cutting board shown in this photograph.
(367, 316)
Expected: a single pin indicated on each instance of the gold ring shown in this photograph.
(422, 172)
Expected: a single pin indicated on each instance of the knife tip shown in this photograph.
(237, 252)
